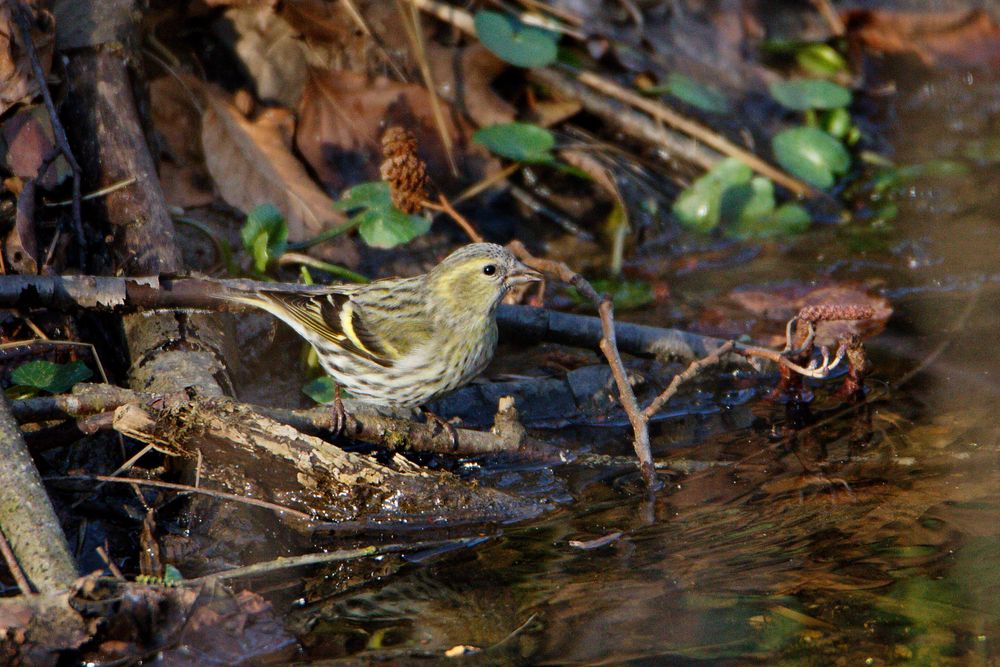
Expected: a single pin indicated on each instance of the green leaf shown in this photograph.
(322, 390)
(523, 142)
(748, 201)
(373, 194)
(805, 94)
(380, 224)
(391, 227)
(699, 207)
(50, 377)
(514, 42)
(820, 59)
(812, 155)
(699, 95)
(787, 219)
(837, 122)
(264, 235)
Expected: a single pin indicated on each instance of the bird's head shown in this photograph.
(473, 279)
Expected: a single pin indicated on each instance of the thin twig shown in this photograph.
(462, 20)
(327, 557)
(24, 26)
(411, 24)
(445, 206)
(15, 568)
(609, 347)
(114, 187)
(103, 553)
(274, 507)
(693, 369)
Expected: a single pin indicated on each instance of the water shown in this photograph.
(872, 536)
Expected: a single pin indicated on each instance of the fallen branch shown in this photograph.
(27, 517)
(392, 432)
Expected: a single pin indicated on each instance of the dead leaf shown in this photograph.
(185, 180)
(463, 77)
(20, 246)
(17, 82)
(953, 40)
(29, 141)
(270, 50)
(251, 163)
(341, 118)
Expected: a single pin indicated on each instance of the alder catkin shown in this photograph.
(403, 170)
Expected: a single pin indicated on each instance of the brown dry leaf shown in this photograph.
(463, 78)
(17, 83)
(270, 50)
(342, 115)
(29, 140)
(251, 163)
(185, 180)
(946, 39)
(20, 246)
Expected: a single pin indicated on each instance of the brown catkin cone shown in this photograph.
(405, 173)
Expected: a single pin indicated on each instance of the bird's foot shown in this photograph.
(339, 415)
(447, 426)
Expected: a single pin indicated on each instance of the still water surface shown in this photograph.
(870, 537)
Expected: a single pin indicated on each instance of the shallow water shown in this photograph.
(871, 536)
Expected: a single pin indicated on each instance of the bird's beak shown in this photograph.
(522, 275)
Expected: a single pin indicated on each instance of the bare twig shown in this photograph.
(274, 507)
(24, 27)
(609, 347)
(691, 371)
(283, 563)
(445, 207)
(114, 187)
(14, 566)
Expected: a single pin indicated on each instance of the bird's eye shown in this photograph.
(490, 269)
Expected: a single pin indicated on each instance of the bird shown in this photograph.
(404, 342)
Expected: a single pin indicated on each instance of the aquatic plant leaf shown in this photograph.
(699, 95)
(805, 94)
(812, 155)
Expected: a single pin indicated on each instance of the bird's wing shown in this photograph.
(335, 317)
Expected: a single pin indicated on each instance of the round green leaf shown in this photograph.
(322, 390)
(516, 43)
(699, 208)
(749, 201)
(837, 122)
(805, 94)
(523, 142)
(820, 59)
(699, 95)
(812, 155)
(787, 219)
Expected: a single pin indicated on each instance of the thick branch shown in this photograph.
(148, 293)
(26, 515)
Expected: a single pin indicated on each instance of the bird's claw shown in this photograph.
(447, 426)
(339, 416)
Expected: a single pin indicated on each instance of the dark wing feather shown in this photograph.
(322, 315)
